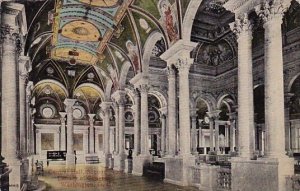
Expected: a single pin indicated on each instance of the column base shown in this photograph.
(138, 163)
(119, 162)
(15, 175)
(107, 160)
(70, 159)
(128, 166)
(262, 174)
(111, 163)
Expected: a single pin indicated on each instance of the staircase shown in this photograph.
(92, 159)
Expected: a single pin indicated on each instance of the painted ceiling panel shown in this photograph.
(83, 27)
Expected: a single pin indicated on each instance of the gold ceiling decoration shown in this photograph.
(101, 3)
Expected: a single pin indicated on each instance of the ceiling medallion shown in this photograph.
(81, 31)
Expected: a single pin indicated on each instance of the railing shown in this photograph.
(293, 183)
(224, 179)
(196, 175)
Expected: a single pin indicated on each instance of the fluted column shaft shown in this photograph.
(144, 120)
(121, 128)
(243, 30)
(163, 134)
(137, 125)
(171, 112)
(92, 133)
(63, 131)
(194, 134)
(274, 93)
(184, 106)
(9, 95)
(70, 156)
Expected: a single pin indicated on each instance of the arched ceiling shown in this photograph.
(81, 28)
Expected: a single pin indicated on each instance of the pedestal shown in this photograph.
(111, 163)
(262, 174)
(107, 160)
(128, 166)
(138, 163)
(15, 177)
(119, 162)
(70, 159)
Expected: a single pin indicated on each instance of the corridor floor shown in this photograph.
(97, 178)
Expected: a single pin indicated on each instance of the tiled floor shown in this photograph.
(95, 177)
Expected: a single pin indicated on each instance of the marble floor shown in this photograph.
(96, 177)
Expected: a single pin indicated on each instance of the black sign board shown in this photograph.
(56, 155)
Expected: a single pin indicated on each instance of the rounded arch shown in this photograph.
(200, 98)
(97, 88)
(130, 93)
(228, 100)
(290, 84)
(189, 19)
(123, 75)
(148, 47)
(50, 81)
(160, 96)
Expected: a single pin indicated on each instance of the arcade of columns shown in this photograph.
(177, 56)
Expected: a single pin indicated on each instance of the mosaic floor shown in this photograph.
(96, 177)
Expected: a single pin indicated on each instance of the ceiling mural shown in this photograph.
(82, 28)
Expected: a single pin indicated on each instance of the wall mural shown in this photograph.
(169, 19)
(214, 54)
(47, 141)
(133, 54)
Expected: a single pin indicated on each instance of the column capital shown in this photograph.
(144, 88)
(171, 72)
(242, 26)
(91, 117)
(272, 12)
(287, 98)
(119, 97)
(183, 65)
(69, 103)
(29, 88)
(193, 113)
(232, 116)
(214, 114)
(62, 114)
(105, 108)
(163, 111)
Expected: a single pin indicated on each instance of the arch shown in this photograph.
(53, 82)
(123, 75)
(199, 98)
(149, 45)
(228, 100)
(189, 19)
(97, 88)
(160, 96)
(130, 93)
(290, 84)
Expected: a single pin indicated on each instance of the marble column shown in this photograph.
(213, 115)
(121, 127)
(92, 134)
(171, 112)
(194, 134)
(9, 92)
(272, 16)
(137, 124)
(183, 66)
(70, 156)
(217, 140)
(144, 88)
(63, 131)
(24, 69)
(116, 129)
(30, 134)
(105, 107)
(243, 30)
(163, 131)
(287, 98)
(232, 117)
